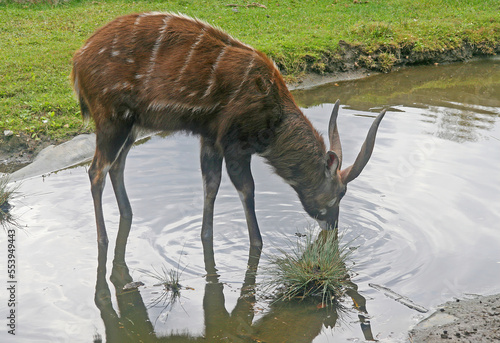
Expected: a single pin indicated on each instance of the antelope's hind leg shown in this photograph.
(116, 176)
(111, 141)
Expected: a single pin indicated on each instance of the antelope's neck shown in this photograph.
(298, 153)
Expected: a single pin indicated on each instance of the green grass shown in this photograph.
(312, 269)
(38, 38)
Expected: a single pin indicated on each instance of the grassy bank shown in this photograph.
(37, 41)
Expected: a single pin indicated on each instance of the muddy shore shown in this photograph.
(467, 320)
(17, 151)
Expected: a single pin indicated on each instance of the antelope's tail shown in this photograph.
(84, 109)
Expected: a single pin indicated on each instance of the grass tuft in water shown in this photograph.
(6, 193)
(169, 279)
(314, 268)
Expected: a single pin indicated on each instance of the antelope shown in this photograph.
(170, 72)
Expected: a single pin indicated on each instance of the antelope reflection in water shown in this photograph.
(290, 321)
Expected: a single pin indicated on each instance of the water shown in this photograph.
(424, 215)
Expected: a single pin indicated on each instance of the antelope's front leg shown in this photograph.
(238, 168)
(211, 170)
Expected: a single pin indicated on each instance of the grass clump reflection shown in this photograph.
(314, 268)
(169, 279)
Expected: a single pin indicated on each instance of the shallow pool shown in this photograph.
(424, 216)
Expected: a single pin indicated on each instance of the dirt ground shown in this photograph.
(468, 320)
(17, 151)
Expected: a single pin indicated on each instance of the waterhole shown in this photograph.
(423, 216)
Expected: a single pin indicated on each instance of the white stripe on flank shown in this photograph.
(211, 82)
(190, 54)
(114, 43)
(85, 47)
(156, 47)
(153, 13)
(114, 52)
(230, 41)
(121, 86)
(134, 30)
(245, 78)
(178, 106)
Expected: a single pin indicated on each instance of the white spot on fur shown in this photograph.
(106, 169)
(127, 114)
(332, 202)
(242, 197)
(101, 50)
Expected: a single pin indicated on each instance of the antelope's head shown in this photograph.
(325, 204)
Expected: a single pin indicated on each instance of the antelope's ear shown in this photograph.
(332, 161)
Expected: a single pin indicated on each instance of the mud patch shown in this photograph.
(470, 320)
(17, 151)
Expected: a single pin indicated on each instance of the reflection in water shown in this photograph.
(459, 99)
(131, 323)
(289, 321)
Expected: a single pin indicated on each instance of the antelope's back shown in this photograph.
(168, 71)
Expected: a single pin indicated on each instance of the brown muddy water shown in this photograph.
(424, 216)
